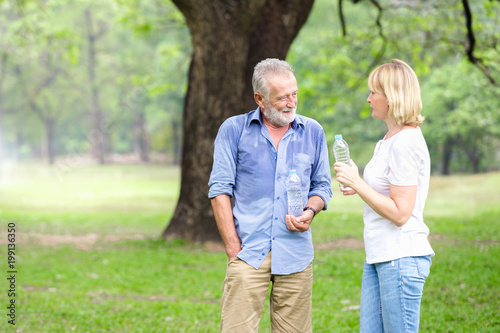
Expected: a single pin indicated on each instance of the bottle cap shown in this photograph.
(338, 136)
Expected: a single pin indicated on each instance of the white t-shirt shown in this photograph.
(401, 160)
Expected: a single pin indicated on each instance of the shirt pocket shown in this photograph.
(303, 164)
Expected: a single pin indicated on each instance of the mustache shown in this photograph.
(288, 109)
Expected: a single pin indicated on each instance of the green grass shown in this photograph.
(89, 257)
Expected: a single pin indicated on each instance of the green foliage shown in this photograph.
(332, 72)
(456, 112)
(143, 50)
(138, 76)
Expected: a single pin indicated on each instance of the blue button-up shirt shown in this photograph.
(248, 167)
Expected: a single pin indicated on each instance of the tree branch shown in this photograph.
(471, 43)
(381, 52)
(379, 16)
(44, 83)
(342, 19)
(377, 21)
(469, 46)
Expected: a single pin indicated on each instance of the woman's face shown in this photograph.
(379, 104)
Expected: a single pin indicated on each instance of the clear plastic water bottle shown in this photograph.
(341, 153)
(294, 194)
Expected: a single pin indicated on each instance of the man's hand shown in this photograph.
(300, 223)
(232, 251)
(223, 213)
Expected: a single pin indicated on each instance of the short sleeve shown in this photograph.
(403, 166)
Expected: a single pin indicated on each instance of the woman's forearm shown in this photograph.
(397, 208)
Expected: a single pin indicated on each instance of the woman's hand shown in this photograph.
(347, 175)
(348, 192)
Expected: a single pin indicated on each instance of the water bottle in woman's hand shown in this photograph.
(341, 153)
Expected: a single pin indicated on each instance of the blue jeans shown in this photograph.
(391, 294)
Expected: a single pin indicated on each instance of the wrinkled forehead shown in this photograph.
(281, 83)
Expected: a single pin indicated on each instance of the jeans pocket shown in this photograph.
(423, 265)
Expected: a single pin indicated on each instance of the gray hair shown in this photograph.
(263, 69)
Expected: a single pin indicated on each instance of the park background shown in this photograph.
(92, 131)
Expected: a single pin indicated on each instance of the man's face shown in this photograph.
(280, 108)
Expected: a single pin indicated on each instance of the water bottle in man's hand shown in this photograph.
(294, 194)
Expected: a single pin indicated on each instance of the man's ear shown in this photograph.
(259, 99)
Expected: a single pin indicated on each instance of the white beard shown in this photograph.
(279, 118)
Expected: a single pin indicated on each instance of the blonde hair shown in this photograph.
(399, 83)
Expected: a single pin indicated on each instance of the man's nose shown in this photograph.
(291, 101)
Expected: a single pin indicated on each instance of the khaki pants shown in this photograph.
(245, 290)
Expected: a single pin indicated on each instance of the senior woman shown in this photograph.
(394, 189)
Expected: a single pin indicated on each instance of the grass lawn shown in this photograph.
(88, 256)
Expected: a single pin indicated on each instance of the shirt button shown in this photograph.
(263, 254)
(275, 218)
(274, 238)
(277, 198)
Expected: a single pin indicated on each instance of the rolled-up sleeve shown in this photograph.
(223, 173)
(321, 180)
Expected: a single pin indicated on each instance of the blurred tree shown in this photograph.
(3, 65)
(94, 30)
(461, 130)
(483, 55)
(161, 37)
(427, 35)
(40, 60)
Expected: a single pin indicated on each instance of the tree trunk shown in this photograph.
(474, 153)
(475, 165)
(278, 25)
(3, 71)
(176, 141)
(447, 152)
(50, 125)
(141, 137)
(96, 135)
(229, 38)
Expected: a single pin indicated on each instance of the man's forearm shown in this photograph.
(223, 213)
(316, 202)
